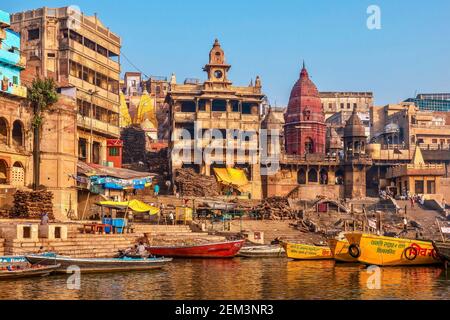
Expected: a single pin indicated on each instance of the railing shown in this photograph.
(97, 125)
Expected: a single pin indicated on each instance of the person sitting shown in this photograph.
(141, 250)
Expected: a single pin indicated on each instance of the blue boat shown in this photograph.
(88, 265)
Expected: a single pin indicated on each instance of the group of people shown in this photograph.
(416, 199)
(139, 250)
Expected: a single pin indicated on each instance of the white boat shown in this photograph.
(273, 251)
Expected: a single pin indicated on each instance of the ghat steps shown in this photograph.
(82, 245)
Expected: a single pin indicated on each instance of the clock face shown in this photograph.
(218, 74)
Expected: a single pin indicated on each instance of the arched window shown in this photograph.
(309, 146)
(323, 176)
(312, 175)
(3, 131)
(17, 133)
(18, 174)
(307, 115)
(357, 146)
(339, 177)
(3, 172)
(301, 176)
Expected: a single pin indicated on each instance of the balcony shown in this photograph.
(19, 91)
(97, 126)
(415, 170)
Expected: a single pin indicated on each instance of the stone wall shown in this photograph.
(445, 189)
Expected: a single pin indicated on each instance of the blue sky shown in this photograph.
(271, 38)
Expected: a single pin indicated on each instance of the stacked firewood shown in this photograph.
(134, 145)
(32, 204)
(191, 184)
(4, 213)
(276, 208)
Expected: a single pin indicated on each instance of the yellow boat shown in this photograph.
(387, 251)
(306, 252)
(339, 249)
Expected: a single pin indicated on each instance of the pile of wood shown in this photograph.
(4, 213)
(276, 208)
(32, 204)
(134, 145)
(191, 184)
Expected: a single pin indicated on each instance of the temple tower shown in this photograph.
(355, 158)
(305, 127)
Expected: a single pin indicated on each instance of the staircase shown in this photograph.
(426, 218)
(79, 245)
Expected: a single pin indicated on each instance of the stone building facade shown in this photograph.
(312, 167)
(77, 50)
(334, 102)
(218, 117)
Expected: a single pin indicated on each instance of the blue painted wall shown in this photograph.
(9, 56)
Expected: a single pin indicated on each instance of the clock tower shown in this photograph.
(217, 69)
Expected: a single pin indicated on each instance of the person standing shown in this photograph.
(171, 218)
(412, 202)
(44, 219)
(156, 190)
(168, 185)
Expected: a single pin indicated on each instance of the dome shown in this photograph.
(354, 126)
(391, 128)
(304, 100)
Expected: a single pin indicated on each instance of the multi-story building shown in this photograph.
(333, 102)
(432, 101)
(15, 115)
(58, 141)
(398, 129)
(77, 50)
(217, 117)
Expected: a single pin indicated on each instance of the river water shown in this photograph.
(240, 278)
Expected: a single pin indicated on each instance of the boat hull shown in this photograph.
(443, 250)
(262, 252)
(94, 265)
(339, 249)
(387, 251)
(212, 250)
(298, 251)
(41, 271)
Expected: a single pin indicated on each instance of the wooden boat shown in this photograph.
(387, 251)
(299, 251)
(443, 250)
(210, 250)
(26, 272)
(262, 252)
(88, 265)
(339, 249)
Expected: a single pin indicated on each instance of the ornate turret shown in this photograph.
(356, 160)
(354, 137)
(217, 69)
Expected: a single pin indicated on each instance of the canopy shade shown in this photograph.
(134, 205)
(233, 177)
